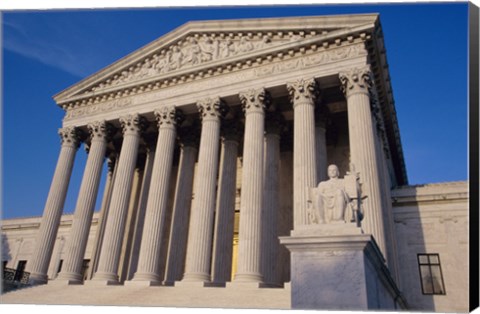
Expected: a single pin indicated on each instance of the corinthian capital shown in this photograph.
(133, 124)
(255, 100)
(168, 116)
(357, 80)
(212, 108)
(100, 130)
(303, 91)
(70, 136)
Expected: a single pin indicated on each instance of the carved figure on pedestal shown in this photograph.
(336, 200)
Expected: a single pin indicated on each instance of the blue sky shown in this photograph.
(45, 52)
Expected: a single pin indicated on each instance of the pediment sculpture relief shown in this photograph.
(197, 49)
(336, 200)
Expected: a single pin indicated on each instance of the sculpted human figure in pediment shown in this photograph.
(244, 45)
(226, 48)
(209, 49)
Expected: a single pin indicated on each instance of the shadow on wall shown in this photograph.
(415, 277)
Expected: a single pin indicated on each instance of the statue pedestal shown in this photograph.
(338, 267)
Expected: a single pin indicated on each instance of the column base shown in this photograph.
(150, 277)
(69, 278)
(338, 267)
(104, 279)
(248, 277)
(196, 277)
(37, 279)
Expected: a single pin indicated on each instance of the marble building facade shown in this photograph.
(214, 136)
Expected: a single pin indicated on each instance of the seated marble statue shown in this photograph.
(330, 200)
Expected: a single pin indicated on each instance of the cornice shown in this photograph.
(457, 191)
(33, 222)
(316, 32)
(379, 65)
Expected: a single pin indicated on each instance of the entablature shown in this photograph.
(322, 64)
(149, 79)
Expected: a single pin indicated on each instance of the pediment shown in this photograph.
(203, 45)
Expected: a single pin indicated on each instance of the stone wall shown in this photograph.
(433, 219)
(19, 237)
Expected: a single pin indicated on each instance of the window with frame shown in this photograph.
(431, 274)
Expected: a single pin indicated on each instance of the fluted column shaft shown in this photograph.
(102, 220)
(181, 209)
(391, 243)
(124, 272)
(197, 265)
(302, 95)
(115, 227)
(52, 213)
(356, 84)
(77, 242)
(225, 211)
(382, 153)
(142, 205)
(148, 263)
(271, 205)
(249, 266)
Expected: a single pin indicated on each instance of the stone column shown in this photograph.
(102, 220)
(249, 268)
(52, 213)
(321, 142)
(383, 153)
(302, 95)
(167, 118)
(225, 209)
(131, 221)
(142, 205)
(355, 85)
(181, 207)
(197, 265)
(82, 219)
(132, 126)
(271, 207)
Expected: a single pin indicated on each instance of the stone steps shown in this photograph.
(242, 297)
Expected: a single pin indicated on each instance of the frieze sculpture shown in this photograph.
(272, 69)
(336, 200)
(195, 50)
